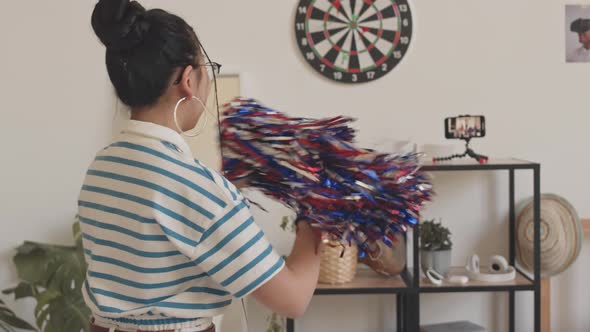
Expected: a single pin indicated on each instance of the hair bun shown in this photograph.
(118, 23)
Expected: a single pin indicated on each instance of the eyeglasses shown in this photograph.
(213, 69)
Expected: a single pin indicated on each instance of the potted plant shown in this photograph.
(435, 247)
(53, 276)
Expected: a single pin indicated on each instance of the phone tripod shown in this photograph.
(468, 153)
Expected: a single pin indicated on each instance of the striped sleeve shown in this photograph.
(235, 253)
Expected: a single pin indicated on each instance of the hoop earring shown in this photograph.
(200, 130)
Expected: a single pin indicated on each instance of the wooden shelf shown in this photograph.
(366, 282)
(521, 282)
(468, 164)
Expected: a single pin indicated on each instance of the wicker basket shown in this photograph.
(337, 263)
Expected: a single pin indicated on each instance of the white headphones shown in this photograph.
(498, 270)
(434, 277)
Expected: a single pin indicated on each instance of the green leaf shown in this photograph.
(79, 320)
(64, 314)
(44, 298)
(77, 233)
(8, 291)
(16, 322)
(31, 263)
(5, 328)
(76, 230)
(9, 319)
(27, 247)
(23, 290)
(42, 317)
(49, 265)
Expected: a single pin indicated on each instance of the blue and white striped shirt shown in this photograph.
(168, 241)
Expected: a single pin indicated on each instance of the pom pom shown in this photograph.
(312, 166)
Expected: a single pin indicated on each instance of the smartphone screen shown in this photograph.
(464, 127)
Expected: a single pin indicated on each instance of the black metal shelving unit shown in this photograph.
(368, 282)
(410, 284)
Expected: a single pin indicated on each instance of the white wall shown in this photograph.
(503, 59)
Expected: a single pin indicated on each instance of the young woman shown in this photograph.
(169, 242)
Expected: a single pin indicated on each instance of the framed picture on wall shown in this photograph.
(577, 33)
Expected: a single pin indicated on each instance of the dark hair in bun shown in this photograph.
(143, 48)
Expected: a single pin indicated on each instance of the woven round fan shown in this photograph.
(561, 235)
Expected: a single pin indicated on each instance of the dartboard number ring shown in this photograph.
(353, 41)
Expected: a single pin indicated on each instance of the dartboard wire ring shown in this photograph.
(378, 36)
(379, 18)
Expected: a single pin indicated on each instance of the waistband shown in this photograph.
(101, 324)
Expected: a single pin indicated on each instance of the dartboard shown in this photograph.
(353, 41)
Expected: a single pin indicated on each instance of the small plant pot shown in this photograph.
(439, 260)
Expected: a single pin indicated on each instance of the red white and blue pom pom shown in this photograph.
(353, 194)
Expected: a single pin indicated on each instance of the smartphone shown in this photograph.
(465, 127)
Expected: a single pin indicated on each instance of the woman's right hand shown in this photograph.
(242, 183)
